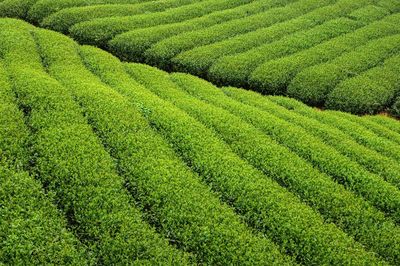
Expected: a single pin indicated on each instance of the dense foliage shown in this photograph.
(104, 162)
(336, 54)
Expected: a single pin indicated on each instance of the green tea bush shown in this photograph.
(44, 8)
(327, 159)
(132, 44)
(232, 42)
(372, 126)
(200, 59)
(274, 76)
(369, 13)
(193, 134)
(395, 108)
(241, 66)
(73, 165)
(233, 60)
(371, 91)
(16, 8)
(171, 196)
(369, 159)
(385, 121)
(161, 53)
(392, 5)
(32, 231)
(317, 85)
(64, 19)
(359, 133)
(100, 31)
(121, 163)
(323, 157)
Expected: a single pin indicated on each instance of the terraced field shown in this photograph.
(105, 162)
(334, 54)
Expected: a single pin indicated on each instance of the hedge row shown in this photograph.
(32, 230)
(173, 198)
(101, 30)
(269, 191)
(16, 8)
(161, 53)
(14, 134)
(132, 44)
(383, 144)
(369, 14)
(318, 84)
(358, 133)
(374, 127)
(73, 165)
(354, 177)
(274, 76)
(385, 121)
(371, 91)
(44, 8)
(199, 60)
(369, 159)
(310, 148)
(237, 69)
(62, 20)
(216, 161)
(228, 42)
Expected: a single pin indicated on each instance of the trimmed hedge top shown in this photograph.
(321, 52)
(105, 162)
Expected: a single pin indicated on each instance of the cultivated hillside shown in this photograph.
(103, 162)
(335, 54)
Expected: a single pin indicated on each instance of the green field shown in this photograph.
(333, 54)
(106, 159)
(104, 162)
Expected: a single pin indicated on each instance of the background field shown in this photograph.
(334, 54)
(104, 162)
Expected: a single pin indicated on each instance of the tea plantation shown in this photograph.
(335, 54)
(105, 160)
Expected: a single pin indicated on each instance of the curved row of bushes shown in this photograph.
(329, 134)
(274, 76)
(329, 82)
(162, 52)
(146, 103)
(240, 183)
(244, 64)
(200, 59)
(73, 165)
(311, 149)
(386, 122)
(148, 167)
(100, 31)
(326, 159)
(171, 197)
(272, 46)
(32, 230)
(362, 135)
(376, 128)
(65, 18)
(133, 44)
(372, 90)
(40, 9)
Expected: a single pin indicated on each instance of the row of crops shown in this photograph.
(335, 54)
(104, 162)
